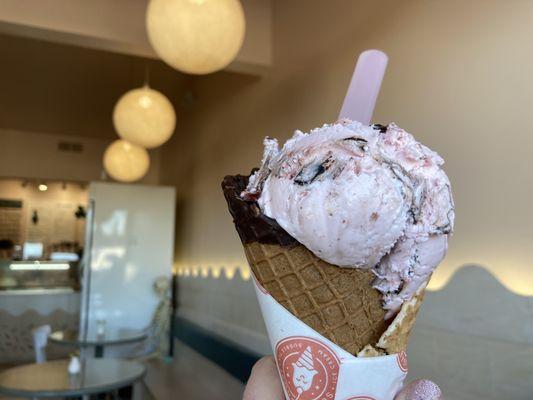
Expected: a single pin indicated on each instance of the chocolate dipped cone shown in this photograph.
(339, 303)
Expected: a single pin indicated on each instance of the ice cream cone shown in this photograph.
(339, 303)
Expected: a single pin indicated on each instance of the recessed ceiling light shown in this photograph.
(43, 187)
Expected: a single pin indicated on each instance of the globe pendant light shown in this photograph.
(196, 36)
(144, 117)
(126, 162)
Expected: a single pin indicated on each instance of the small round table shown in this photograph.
(73, 338)
(51, 379)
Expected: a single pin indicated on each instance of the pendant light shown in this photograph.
(196, 36)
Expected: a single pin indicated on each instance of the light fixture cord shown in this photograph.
(146, 76)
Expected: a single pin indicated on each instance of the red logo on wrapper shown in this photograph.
(308, 368)
(401, 358)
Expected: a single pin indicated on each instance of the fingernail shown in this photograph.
(423, 390)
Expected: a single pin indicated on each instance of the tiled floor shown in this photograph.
(191, 376)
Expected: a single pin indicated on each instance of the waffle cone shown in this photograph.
(339, 303)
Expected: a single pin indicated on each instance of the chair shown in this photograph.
(40, 340)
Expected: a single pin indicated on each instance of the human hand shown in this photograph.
(264, 384)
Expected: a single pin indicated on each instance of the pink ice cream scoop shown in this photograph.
(361, 196)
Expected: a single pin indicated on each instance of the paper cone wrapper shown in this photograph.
(312, 367)
(342, 309)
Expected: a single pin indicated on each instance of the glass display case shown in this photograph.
(21, 275)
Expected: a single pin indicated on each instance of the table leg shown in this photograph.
(125, 393)
(98, 351)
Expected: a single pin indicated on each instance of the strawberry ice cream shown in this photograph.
(360, 196)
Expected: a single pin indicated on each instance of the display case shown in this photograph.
(25, 275)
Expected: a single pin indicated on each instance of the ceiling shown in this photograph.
(65, 63)
(56, 88)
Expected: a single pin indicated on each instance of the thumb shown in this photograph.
(421, 389)
(264, 382)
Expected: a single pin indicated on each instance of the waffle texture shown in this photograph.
(339, 303)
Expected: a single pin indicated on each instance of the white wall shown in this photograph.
(35, 155)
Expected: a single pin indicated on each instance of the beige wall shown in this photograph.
(69, 90)
(459, 80)
(35, 155)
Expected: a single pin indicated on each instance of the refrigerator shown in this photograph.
(129, 244)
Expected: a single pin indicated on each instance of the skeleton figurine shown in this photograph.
(161, 320)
